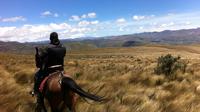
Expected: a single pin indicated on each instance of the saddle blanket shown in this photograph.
(42, 84)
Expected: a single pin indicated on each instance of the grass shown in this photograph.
(125, 75)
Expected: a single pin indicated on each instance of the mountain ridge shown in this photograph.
(184, 36)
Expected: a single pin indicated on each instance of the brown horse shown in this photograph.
(59, 90)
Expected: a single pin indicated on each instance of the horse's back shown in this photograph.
(53, 82)
(57, 96)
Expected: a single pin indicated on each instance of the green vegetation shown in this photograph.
(169, 65)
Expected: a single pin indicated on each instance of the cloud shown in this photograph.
(91, 15)
(49, 14)
(121, 20)
(29, 33)
(86, 23)
(167, 24)
(79, 30)
(36, 32)
(83, 23)
(174, 21)
(75, 18)
(121, 29)
(95, 22)
(84, 26)
(84, 16)
(46, 13)
(187, 22)
(142, 17)
(149, 23)
(13, 19)
(138, 18)
(141, 28)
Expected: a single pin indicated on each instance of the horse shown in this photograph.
(60, 91)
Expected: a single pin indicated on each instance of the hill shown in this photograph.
(189, 36)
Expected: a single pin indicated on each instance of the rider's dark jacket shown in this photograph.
(51, 56)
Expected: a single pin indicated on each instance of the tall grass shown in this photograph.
(127, 80)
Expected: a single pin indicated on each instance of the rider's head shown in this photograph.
(54, 38)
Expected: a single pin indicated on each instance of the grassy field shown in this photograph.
(125, 75)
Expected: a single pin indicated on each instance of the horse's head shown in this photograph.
(38, 59)
(36, 48)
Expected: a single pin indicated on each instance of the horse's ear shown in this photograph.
(36, 49)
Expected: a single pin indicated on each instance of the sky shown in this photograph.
(34, 20)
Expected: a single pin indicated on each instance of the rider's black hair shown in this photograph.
(54, 38)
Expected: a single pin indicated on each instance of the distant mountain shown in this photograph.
(16, 47)
(173, 37)
(185, 36)
(170, 37)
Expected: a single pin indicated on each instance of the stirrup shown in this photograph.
(32, 93)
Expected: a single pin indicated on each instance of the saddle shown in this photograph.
(43, 82)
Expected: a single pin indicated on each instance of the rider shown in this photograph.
(49, 59)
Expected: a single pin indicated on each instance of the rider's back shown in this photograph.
(56, 54)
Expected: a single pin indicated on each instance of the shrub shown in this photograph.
(168, 65)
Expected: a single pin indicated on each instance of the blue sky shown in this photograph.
(33, 20)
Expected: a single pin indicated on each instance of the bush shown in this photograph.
(168, 65)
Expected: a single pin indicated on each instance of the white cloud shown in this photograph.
(79, 30)
(13, 19)
(86, 23)
(143, 17)
(84, 16)
(173, 21)
(60, 26)
(31, 32)
(141, 28)
(187, 22)
(46, 13)
(121, 29)
(95, 22)
(49, 14)
(91, 15)
(27, 33)
(75, 18)
(121, 20)
(4, 30)
(83, 23)
(167, 24)
(90, 27)
(137, 18)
